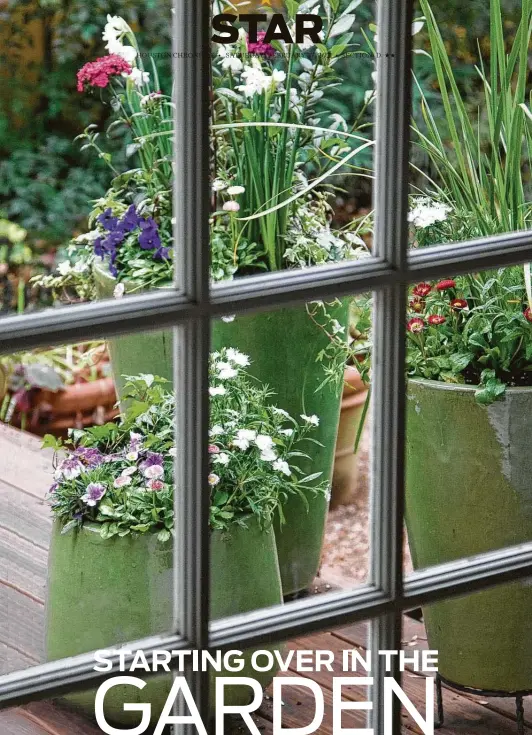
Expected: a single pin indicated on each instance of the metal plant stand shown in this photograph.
(518, 696)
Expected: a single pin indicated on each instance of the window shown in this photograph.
(190, 308)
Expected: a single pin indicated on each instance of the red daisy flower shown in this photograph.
(459, 304)
(436, 320)
(416, 325)
(422, 289)
(97, 73)
(528, 314)
(446, 284)
(417, 305)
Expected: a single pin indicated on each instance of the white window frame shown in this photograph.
(189, 309)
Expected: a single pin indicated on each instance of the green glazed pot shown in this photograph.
(283, 346)
(104, 593)
(133, 354)
(469, 491)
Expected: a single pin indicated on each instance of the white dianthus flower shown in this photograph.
(221, 458)
(314, 420)
(243, 438)
(427, 212)
(226, 371)
(237, 357)
(281, 466)
(268, 455)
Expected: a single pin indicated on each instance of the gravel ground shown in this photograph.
(346, 549)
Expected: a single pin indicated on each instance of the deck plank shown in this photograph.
(14, 722)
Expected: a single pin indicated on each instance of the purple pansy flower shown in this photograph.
(130, 221)
(162, 254)
(95, 492)
(91, 456)
(152, 466)
(113, 239)
(69, 469)
(149, 237)
(107, 219)
(99, 247)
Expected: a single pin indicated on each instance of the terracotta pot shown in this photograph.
(345, 474)
(76, 406)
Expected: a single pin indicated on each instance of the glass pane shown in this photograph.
(86, 518)
(292, 125)
(468, 463)
(469, 174)
(85, 152)
(283, 439)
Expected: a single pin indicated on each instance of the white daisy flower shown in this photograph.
(216, 430)
(218, 390)
(218, 185)
(314, 420)
(213, 479)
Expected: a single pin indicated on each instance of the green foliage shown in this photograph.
(485, 341)
(478, 189)
(117, 479)
(45, 181)
(47, 189)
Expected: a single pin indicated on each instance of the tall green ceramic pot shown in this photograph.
(104, 593)
(133, 354)
(283, 346)
(469, 491)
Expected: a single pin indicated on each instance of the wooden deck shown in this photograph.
(24, 530)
